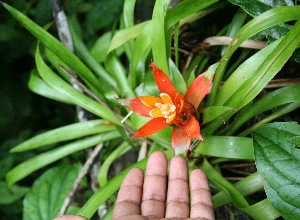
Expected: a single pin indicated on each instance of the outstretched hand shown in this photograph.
(149, 198)
(152, 197)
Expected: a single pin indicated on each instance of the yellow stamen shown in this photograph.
(165, 109)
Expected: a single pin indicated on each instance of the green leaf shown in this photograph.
(269, 101)
(65, 133)
(213, 175)
(48, 192)
(255, 7)
(85, 55)
(103, 14)
(74, 95)
(100, 47)
(11, 194)
(226, 147)
(176, 78)
(247, 82)
(37, 85)
(253, 180)
(140, 52)
(215, 112)
(24, 169)
(277, 161)
(117, 70)
(159, 37)
(118, 152)
(262, 210)
(56, 47)
(185, 9)
(125, 35)
(259, 23)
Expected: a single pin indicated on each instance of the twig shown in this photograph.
(143, 151)
(79, 178)
(223, 40)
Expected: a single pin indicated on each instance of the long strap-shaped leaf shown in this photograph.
(29, 166)
(65, 133)
(268, 19)
(77, 97)
(273, 99)
(255, 73)
(58, 48)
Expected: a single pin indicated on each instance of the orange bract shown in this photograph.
(172, 108)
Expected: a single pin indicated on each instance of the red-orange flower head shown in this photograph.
(172, 108)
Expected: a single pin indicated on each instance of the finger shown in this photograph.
(139, 217)
(201, 206)
(70, 217)
(178, 193)
(130, 195)
(154, 190)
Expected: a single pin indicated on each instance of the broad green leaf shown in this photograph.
(29, 166)
(48, 192)
(57, 48)
(257, 7)
(277, 161)
(65, 133)
(226, 147)
(271, 100)
(37, 85)
(11, 194)
(74, 95)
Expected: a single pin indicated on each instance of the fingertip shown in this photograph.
(198, 179)
(158, 155)
(157, 164)
(178, 168)
(70, 217)
(133, 177)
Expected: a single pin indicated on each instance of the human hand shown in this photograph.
(142, 198)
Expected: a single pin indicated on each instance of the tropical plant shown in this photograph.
(116, 67)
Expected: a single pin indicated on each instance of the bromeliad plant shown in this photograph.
(238, 95)
(173, 108)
